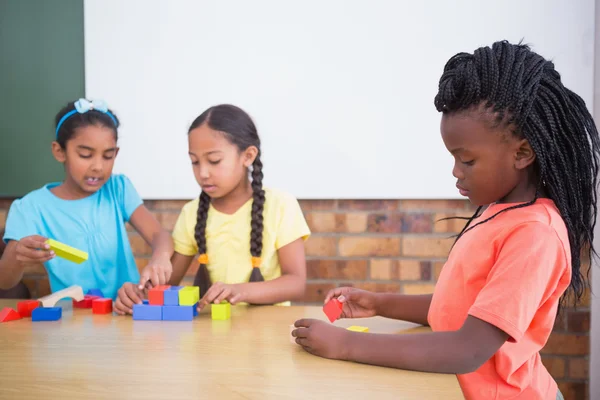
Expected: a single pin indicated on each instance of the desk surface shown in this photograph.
(88, 356)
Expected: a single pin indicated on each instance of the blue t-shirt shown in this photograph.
(94, 224)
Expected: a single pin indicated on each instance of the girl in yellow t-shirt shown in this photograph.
(249, 240)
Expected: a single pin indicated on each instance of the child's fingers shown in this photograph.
(225, 293)
(119, 308)
(334, 293)
(144, 280)
(235, 299)
(29, 254)
(35, 242)
(132, 296)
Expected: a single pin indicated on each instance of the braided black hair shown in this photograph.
(525, 92)
(240, 130)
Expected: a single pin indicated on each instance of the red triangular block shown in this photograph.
(8, 314)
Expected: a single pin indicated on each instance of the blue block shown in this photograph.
(178, 313)
(46, 314)
(143, 312)
(172, 296)
(196, 310)
(146, 302)
(95, 292)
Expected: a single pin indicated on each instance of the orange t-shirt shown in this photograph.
(510, 272)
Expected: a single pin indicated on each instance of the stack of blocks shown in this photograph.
(169, 303)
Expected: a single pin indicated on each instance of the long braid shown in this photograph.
(202, 279)
(258, 204)
(525, 92)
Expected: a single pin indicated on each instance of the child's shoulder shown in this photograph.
(34, 198)
(118, 183)
(279, 197)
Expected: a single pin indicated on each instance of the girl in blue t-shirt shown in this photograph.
(88, 211)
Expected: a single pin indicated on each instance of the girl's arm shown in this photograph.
(11, 270)
(180, 264)
(289, 286)
(31, 250)
(412, 308)
(159, 269)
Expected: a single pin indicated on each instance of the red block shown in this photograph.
(86, 302)
(333, 309)
(102, 306)
(156, 296)
(8, 314)
(26, 307)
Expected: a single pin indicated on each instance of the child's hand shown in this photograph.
(356, 303)
(219, 292)
(321, 339)
(157, 272)
(33, 250)
(127, 296)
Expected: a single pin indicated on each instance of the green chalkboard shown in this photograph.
(41, 69)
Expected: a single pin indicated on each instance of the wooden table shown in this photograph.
(88, 356)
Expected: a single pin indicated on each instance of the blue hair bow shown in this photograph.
(82, 106)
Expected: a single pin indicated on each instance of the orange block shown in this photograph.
(102, 306)
(26, 307)
(8, 314)
(156, 295)
(86, 302)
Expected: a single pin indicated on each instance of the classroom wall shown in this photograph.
(387, 246)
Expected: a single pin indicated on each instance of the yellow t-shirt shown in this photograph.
(228, 236)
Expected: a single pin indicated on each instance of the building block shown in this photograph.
(146, 302)
(102, 306)
(177, 313)
(221, 311)
(86, 302)
(8, 314)
(143, 312)
(25, 307)
(333, 309)
(95, 292)
(76, 292)
(356, 328)
(156, 295)
(46, 314)
(189, 295)
(67, 252)
(171, 296)
(196, 310)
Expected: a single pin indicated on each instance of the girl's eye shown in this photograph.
(468, 162)
(194, 162)
(85, 155)
(214, 162)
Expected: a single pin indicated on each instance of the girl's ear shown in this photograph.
(524, 155)
(249, 156)
(58, 152)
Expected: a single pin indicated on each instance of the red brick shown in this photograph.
(337, 269)
(425, 267)
(417, 223)
(418, 288)
(353, 246)
(321, 246)
(555, 366)
(573, 390)
(578, 321)
(423, 246)
(579, 368)
(174, 205)
(434, 205)
(364, 205)
(320, 205)
(560, 323)
(384, 269)
(325, 222)
(139, 245)
(384, 223)
(567, 344)
(316, 292)
(449, 225)
(355, 222)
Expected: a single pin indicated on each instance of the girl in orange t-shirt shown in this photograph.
(526, 152)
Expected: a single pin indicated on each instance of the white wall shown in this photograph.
(341, 90)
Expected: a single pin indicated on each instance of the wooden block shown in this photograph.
(356, 328)
(333, 309)
(75, 292)
(25, 307)
(189, 295)
(156, 295)
(171, 296)
(102, 306)
(67, 252)
(221, 311)
(8, 314)
(46, 314)
(144, 312)
(177, 313)
(87, 301)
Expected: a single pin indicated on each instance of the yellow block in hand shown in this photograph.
(221, 311)
(189, 295)
(67, 252)
(356, 328)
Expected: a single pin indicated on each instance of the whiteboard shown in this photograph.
(341, 90)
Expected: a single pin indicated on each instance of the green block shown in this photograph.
(189, 295)
(221, 311)
(67, 252)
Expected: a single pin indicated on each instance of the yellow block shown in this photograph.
(67, 252)
(221, 311)
(356, 328)
(189, 295)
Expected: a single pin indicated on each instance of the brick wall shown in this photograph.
(387, 246)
